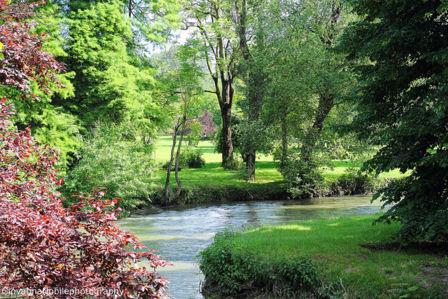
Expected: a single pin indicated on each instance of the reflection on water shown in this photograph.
(180, 234)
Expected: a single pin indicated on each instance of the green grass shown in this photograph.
(335, 246)
(213, 174)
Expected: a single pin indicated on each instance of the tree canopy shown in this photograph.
(401, 106)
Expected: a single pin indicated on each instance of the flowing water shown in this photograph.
(180, 234)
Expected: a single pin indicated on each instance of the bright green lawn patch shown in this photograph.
(213, 174)
(334, 245)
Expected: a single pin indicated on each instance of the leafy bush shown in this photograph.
(302, 179)
(231, 271)
(188, 159)
(45, 247)
(167, 163)
(192, 159)
(108, 160)
(352, 182)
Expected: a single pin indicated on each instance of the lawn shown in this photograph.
(213, 174)
(335, 246)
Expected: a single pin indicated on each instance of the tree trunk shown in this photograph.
(284, 156)
(166, 195)
(176, 169)
(326, 103)
(130, 9)
(226, 114)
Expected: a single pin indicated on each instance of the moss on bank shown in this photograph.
(327, 259)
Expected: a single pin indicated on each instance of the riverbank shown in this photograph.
(344, 257)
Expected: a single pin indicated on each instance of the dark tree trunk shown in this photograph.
(250, 166)
(326, 103)
(226, 114)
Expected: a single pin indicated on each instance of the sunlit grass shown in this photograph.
(335, 246)
(213, 174)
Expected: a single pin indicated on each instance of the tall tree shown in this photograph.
(327, 24)
(250, 27)
(111, 85)
(401, 49)
(216, 26)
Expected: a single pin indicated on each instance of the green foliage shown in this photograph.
(193, 159)
(400, 48)
(50, 122)
(112, 85)
(353, 182)
(188, 158)
(112, 161)
(303, 179)
(232, 270)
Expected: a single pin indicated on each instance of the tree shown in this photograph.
(304, 79)
(183, 75)
(213, 20)
(250, 27)
(400, 49)
(111, 85)
(45, 247)
(50, 123)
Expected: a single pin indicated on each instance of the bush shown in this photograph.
(188, 159)
(352, 182)
(121, 166)
(231, 271)
(192, 159)
(302, 179)
(45, 247)
(234, 164)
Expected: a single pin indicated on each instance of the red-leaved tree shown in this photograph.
(23, 59)
(74, 253)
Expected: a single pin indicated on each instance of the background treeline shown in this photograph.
(264, 72)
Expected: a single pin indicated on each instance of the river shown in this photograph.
(179, 234)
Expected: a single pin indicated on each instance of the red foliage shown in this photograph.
(43, 246)
(23, 58)
(79, 252)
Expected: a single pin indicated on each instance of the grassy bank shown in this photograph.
(321, 258)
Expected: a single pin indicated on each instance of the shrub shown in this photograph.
(302, 179)
(44, 247)
(352, 182)
(231, 271)
(188, 159)
(192, 159)
(234, 164)
(108, 160)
